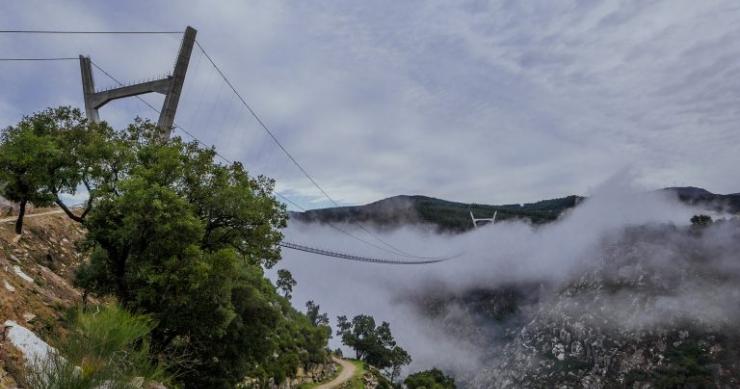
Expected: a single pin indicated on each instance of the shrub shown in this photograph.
(429, 379)
(107, 347)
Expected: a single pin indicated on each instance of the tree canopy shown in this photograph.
(55, 152)
(285, 283)
(373, 344)
(701, 220)
(23, 176)
(429, 379)
(184, 239)
(314, 314)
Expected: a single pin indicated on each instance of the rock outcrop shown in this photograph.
(36, 274)
(313, 374)
(659, 309)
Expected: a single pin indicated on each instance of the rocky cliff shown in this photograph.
(655, 307)
(658, 309)
(36, 271)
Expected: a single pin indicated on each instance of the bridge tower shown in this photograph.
(170, 86)
(482, 221)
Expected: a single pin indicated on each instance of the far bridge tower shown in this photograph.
(170, 86)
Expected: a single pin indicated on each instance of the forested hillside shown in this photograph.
(451, 216)
(446, 216)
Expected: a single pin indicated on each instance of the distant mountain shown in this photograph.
(448, 216)
(451, 216)
(706, 199)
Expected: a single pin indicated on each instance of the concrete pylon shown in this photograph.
(170, 86)
(88, 89)
(169, 107)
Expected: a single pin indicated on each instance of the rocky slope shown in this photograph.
(656, 307)
(36, 292)
(699, 196)
(653, 307)
(35, 282)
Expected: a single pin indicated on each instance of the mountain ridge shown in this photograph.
(453, 216)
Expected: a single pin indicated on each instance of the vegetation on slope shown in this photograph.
(177, 237)
(429, 379)
(373, 344)
(654, 309)
(106, 347)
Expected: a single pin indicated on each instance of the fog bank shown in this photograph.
(492, 256)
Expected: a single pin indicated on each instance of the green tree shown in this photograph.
(184, 239)
(285, 283)
(318, 320)
(94, 156)
(24, 155)
(429, 379)
(398, 358)
(373, 344)
(701, 220)
(314, 314)
(55, 152)
(106, 348)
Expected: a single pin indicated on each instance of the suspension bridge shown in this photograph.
(171, 85)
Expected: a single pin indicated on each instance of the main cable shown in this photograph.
(254, 114)
(227, 160)
(86, 32)
(40, 59)
(281, 196)
(263, 125)
(153, 108)
(290, 156)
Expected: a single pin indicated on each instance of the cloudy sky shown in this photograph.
(494, 102)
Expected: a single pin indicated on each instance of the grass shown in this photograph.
(356, 381)
(106, 347)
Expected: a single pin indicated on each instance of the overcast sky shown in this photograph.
(492, 102)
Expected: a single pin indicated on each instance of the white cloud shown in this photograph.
(506, 253)
(477, 101)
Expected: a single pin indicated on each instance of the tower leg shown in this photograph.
(88, 89)
(167, 116)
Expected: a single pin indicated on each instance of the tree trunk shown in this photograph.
(119, 273)
(66, 210)
(21, 213)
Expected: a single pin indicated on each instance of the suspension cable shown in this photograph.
(85, 32)
(283, 197)
(290, 156)
(40, 59)
(241, 99)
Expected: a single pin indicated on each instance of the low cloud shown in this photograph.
(599, 233)
(383, 98)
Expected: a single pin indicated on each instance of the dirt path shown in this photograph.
(348, 370)
(14, 218)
